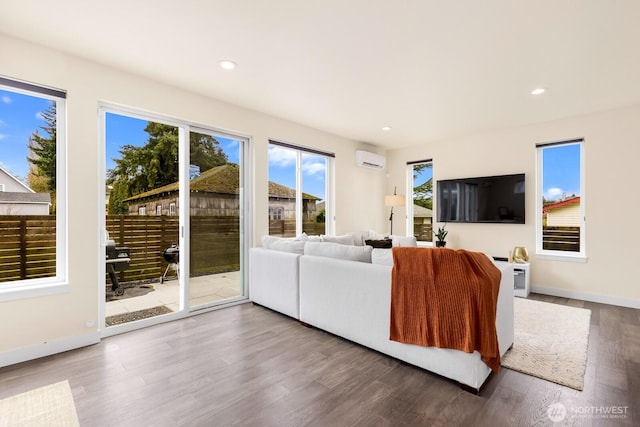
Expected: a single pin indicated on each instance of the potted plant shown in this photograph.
(441, 234)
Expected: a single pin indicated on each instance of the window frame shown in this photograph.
(329, 193)
(571, 256)
(409, 201)
(57, 284)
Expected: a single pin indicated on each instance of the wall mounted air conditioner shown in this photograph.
(367, 159)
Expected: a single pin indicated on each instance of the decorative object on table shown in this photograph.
(393, 200)
(520, 255)
(551, 342)
(441, 235)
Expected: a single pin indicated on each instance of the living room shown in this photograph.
(607, 121)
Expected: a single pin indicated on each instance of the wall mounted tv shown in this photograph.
(497, 199)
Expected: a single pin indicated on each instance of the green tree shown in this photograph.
(423, 193)
(155, 164)
(42, 150)
(118, 193)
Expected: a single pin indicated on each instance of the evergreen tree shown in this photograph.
(155, 164)
(42, 150)
(423, 193)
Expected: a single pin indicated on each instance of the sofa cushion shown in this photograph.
(404, 240)
(336, 250)
(343, 240)
(381, 256)
(359, 237)
(283, 244)
(306, 238)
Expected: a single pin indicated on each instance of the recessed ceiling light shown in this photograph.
(538, 91)
(228, 65)
(386, 128)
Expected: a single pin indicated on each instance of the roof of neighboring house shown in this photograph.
(561, 204)
(11, 176)
(422, 212)
(16, 197)
(224, 179)
(283, 192)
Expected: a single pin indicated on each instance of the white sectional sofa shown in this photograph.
(352, 299)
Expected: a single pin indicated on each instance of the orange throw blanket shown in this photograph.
(445, 298)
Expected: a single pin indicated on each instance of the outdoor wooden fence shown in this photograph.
(215, 243)
(561, 238)
(28, 245)
(423, 232)
(287, 228)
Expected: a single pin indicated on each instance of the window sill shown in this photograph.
(32, 290)
(564, 258)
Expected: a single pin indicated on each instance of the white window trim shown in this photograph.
(329, 185)
(32, 288)
(409, 204)
(544, 254)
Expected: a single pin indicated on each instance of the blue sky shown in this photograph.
(19, 118)
(282, 170)
(561, 173)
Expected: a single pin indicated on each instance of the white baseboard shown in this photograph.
(48, 348)
(603, 299)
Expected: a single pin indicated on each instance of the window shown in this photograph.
(420, 212)
(299, 190)
(560, 225)
(2, 187)
(142, 210)
(32, 166)
(158, 210)
(276, 213)
(172, 209)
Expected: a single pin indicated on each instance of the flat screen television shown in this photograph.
(487, 199)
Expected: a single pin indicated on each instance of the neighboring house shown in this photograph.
(565, 213)
(422, 223)
(16, 198)
(215, 192)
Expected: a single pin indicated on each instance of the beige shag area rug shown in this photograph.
(550, 342)
(49, 406)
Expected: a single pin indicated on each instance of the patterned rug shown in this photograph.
(550, 342)
(49, 406)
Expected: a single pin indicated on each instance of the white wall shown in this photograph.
(37, 321)
(611, 162)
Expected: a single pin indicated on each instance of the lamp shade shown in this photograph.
(394, 200)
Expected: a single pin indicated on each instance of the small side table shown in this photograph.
(521, 279)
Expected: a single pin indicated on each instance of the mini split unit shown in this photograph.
(367, 159)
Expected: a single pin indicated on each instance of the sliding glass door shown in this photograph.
(174, 212)
(216, 216)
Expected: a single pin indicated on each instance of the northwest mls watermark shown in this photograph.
(557, 412)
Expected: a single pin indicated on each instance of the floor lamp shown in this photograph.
(393, 200)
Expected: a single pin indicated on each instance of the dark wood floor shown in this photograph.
(247, 365)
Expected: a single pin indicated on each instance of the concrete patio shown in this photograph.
(203, 290)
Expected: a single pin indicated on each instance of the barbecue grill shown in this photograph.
(172, 256)
(117, 258)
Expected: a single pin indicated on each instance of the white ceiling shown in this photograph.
(430, 69)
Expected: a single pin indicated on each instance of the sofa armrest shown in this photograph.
(273, 280)
(504, 314)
